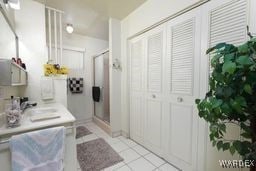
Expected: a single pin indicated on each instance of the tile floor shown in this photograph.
(136, 157)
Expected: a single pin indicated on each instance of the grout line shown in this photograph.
(141, 156)
(129, 167)
(129, 147)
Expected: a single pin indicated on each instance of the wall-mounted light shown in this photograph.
(69, 28)
(15, 4)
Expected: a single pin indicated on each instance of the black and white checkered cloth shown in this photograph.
(76, 85)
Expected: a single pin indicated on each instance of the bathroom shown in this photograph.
(111, 85)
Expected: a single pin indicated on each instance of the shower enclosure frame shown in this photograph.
(103, 89)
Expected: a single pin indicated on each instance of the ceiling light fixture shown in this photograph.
(15, 4)
(69, 28)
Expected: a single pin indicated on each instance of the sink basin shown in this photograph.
(42, 110)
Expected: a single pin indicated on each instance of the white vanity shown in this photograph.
(64, 118)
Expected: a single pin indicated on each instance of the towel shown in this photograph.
(47, 89)
(76, 85)
(41, 150)
(96, 94)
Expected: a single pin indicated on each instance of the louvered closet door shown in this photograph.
(227, 21)
(137, 88)
(223, 21)
(183, 46)
(153, 118)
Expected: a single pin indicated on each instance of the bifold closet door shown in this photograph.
(182, 80)
(224, 21)
(153, 116)
(137, 88)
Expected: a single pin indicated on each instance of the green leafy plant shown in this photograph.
(232, 97)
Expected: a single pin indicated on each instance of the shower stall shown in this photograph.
(101, 84)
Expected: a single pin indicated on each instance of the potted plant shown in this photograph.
(232, 98)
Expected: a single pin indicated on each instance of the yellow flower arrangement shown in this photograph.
(50, 69)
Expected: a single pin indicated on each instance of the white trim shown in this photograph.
(54, 9)
(125, 134)
(55, 37)
(61, 43)
(50, 34)
(83, 50)
(252, 14)
(72, 48)
(101, 53)
(185, 10)
(116, 134)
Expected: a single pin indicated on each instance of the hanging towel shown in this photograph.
(76, 85)
(96, 94)
(38, 150)
(47, 89)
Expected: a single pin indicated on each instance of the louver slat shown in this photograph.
(136, 65)
(155, 54)
(182, 53)
(228, 23)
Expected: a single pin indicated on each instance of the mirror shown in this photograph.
(8, 38)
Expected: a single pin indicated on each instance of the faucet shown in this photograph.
(25, 105)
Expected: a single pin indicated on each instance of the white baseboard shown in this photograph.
(116, 134)
(103, 125)
(125, 134)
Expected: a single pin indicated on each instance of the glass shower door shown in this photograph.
(101, 80)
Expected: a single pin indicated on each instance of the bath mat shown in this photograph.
(96, 155)
(82, 131)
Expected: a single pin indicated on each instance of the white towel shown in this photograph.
(47, 89)
(38, 150)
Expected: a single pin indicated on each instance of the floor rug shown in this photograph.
(96, 155)
(82, 131)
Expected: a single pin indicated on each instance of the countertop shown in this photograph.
(27, 125)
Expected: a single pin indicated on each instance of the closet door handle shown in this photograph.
(179, 99)
(153, 96)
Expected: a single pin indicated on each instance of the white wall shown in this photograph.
(30, 27)
(81, 105)
(115, 75)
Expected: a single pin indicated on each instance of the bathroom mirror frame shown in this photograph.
(3, 12)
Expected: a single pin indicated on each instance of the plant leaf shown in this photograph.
(244, 60)
(225, 146)
(197, 101)
(229, 67)
(219, 145)
(246, 135)
(238, 146)
(232, 150)
(229, 57)
(248, 88)
(243, 48)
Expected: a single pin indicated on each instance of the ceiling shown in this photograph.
(90, 17)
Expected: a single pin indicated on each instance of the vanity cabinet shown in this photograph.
(12, 74)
